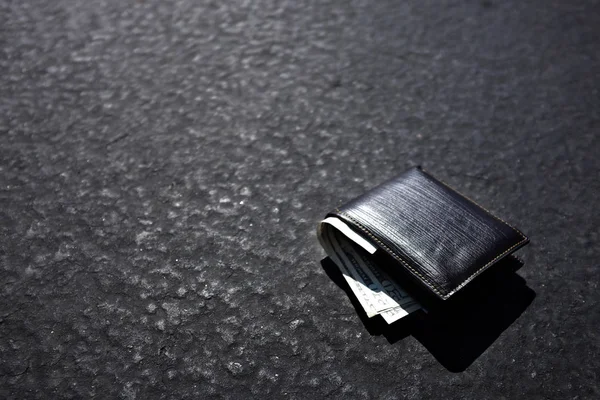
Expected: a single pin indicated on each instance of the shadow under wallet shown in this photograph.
(460, 331)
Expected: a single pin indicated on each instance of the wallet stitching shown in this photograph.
(478, 205)
(430, 284)
(393, 253)
(474, 274)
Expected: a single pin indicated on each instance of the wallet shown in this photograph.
(433, 237)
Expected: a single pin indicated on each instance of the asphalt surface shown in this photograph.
(163, 166)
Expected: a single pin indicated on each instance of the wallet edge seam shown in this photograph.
(506, 252)
(440, 292)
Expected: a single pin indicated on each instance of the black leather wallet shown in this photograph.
(435, 236)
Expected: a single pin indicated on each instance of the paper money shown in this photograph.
(361, 293)
(376, 292)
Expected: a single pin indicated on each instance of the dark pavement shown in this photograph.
(163, 166)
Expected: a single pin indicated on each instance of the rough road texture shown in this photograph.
(163, 165)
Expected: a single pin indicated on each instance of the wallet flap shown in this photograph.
(440, 237)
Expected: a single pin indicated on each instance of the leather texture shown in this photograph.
(440, 237)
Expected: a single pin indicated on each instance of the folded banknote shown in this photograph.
(374, 289)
